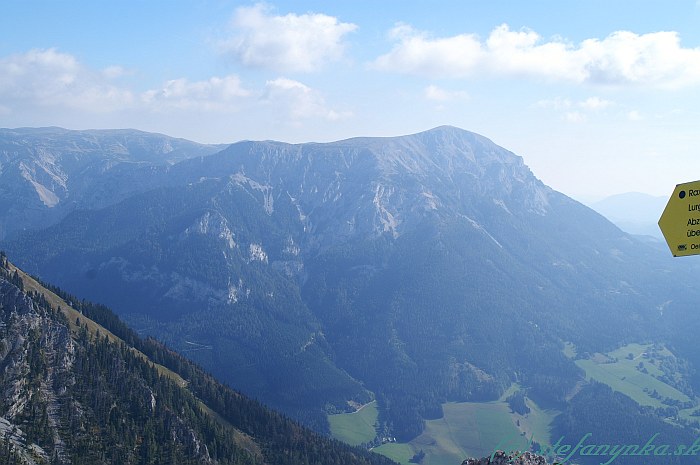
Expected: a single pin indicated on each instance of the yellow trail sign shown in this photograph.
(680, 221)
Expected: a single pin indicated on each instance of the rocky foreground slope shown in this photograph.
(502, 458)
(75, 391)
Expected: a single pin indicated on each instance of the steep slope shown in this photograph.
(319, 275)
(46, 173)
(77, 392)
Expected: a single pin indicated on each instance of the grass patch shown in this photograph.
(357, 427)
(472, 429)
(467, 429)
(619, 370)
(537, 424)
(400, 453)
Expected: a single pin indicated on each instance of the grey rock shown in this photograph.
(502, 458)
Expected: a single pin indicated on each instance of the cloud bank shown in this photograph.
(42, 79)
(51, 78)
(622, 58)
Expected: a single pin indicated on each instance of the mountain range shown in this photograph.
(413, 270)
(47, 172)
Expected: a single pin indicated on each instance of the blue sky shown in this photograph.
(598, 97)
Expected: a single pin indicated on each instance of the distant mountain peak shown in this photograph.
(449, 130)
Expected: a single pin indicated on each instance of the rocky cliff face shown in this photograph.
(36, 360)
(502, 458)
(45, 414)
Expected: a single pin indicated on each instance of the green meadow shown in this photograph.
(474, 429)
(357, 427)
(398, 452)
(622, 374)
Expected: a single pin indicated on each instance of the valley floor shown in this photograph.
(476, 429)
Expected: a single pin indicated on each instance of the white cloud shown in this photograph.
(299, 100)
(51, 78)
(634, 115)
(590, 104)
(556, 103)
(216, 94)
(622, 58)
(286, 43)
(113, 72)
(576, 111)
(521, 53)
(416, 53)
(627, 58)
(48, 78)
(575, 117)
(43, 87)
(437, 94)
(595, 103)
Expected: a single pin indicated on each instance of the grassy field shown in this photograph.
(471, 429)
(400, 453)
(620, 373)
(537, 423)
(357, 427)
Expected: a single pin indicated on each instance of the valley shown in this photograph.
(476, 429)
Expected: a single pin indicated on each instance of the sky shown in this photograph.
(598, 97)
